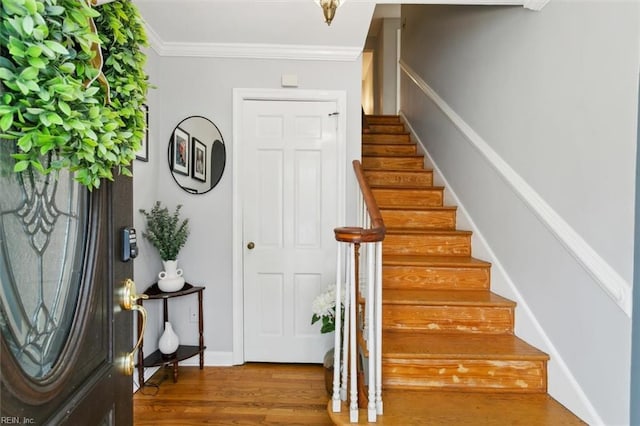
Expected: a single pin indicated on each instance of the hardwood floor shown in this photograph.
(251, 394)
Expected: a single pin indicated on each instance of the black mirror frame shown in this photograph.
(216, 151)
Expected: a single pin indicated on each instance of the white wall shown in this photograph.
(553, 94)
(203, 86)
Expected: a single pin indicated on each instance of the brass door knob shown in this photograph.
(251, 245)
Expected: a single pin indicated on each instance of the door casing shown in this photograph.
(239, 97)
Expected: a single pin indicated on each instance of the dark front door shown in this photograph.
(64, 334)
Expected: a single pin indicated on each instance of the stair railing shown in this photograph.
(360, 338)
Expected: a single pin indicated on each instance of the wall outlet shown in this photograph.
(193, 315)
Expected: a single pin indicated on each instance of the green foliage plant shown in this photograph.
(165, 230)
(47, 110)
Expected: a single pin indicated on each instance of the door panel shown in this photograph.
(289, 212)
(62, 369)
(271, 198)
(308, 200)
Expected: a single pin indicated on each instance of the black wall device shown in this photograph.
(129, 244)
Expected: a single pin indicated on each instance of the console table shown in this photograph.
(183, 352)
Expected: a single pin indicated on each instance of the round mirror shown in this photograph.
(196, 154)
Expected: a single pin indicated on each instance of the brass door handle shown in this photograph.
(129, 302)
(251, 245)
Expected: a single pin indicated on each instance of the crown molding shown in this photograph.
(260, 51)
(252, 50)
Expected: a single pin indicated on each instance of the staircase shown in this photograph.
(449, 353)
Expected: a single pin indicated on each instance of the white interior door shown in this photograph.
(290, 208)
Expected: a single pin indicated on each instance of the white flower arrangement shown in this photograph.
(324, 308)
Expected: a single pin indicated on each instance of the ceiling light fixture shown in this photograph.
(329, 8)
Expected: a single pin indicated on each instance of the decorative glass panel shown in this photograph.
(43, 226)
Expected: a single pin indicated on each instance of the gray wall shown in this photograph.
(635, 349)
(203, 86)
(554, 94)
(386, 66)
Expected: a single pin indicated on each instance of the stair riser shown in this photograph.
(383, 119)
(393, 163)
(408, 197)
(404, 178)
(447, 319)
(466, 375)
(373, 149)
(420, 219)
(435, 278)
(427, 245)
(382, 138)
(386, 128)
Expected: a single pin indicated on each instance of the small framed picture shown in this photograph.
(199, 168)
(143, 152)
(181, 151)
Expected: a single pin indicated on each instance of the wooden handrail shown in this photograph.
(377, 231)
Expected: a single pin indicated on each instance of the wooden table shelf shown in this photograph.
(184, 351)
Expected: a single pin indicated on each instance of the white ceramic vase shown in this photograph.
(171, 278)
(169, 340)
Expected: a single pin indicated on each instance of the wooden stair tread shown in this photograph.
(397, 178)
(446, 408)
(419, 209)
(390, 142)
(426, 345)
(388, 139)
(434, 261)
(398, 171)
(418, 231)
(444, 297)
(382, 118)
(406, 187)
(386, 128)
(391, 155)
(444, 261)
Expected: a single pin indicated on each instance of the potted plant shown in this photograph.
(168, 234)
(324, 308)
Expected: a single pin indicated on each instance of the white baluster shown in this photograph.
(372, 342)
(337, 343)
(353, 373)
(378, 327)
(346, 326)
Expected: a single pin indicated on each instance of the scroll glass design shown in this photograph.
(43, 230)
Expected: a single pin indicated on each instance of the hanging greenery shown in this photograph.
(47, 109)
